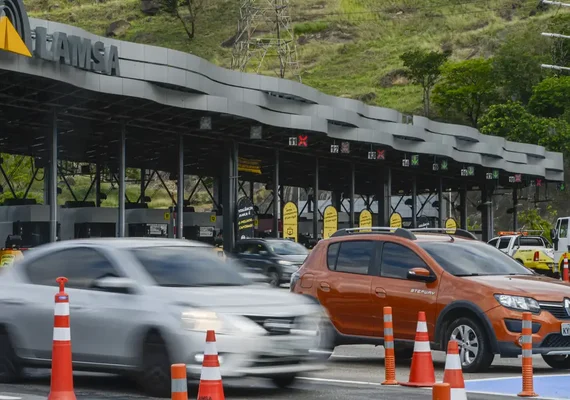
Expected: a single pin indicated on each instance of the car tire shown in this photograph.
(10, 368)
(557, 362)
(154, 377)
(273, 276)
(403, 353)
(469, 332)
(284, 381)
(326, 346)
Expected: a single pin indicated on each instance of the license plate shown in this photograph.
(565, 329)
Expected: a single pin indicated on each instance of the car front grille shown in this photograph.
(556, 340)
(556, 309)
(274, 361)
(274, 325)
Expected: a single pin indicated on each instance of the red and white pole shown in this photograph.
(565, 268)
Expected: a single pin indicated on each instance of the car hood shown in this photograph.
(540, 288)
(295, 258)
(255, 299)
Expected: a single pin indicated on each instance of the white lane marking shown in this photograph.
(512, 395)
(9, 398)
(502, 378)
(342, 381)
(343, 356)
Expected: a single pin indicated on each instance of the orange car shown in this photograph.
(469, 290)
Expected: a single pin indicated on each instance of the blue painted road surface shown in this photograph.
(546, 386)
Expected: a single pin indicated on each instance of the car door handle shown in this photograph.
(325, 287)
(380, 292)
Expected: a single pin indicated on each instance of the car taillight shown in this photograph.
(536, 255)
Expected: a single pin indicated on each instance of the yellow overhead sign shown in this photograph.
(330, 222)
(248, 165)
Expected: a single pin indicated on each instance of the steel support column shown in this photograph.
(53, 158)
(98, 185)
(463, 207)
(384, 197)
(414, 201)
(515, 211)
(316, 201)
(352, 194)
(276, 199)
(180, 193)
(440, 201)
(122, 188)
(143, 186)
(229, 194)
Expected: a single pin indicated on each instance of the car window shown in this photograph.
(535, 242)
(250, 248)
(504, 243)
(332, 253)
(472, 258)
(563, 228)
(287, 248)
(189, 267)
(397, 260)
(82, 266)
(354, 257)
(494, 242)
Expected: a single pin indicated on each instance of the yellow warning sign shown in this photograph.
(7, 259)
(167, 216)
(365, 220)
(290, 221)
(395, 220)
(330, 222)
(451, 226)
(212, 218)
(10, 40)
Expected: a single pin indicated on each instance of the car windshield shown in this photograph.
(470, 258)
(287, 248)
(189, 267)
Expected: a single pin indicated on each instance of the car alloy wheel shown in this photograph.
(273, 278)
(468, 344)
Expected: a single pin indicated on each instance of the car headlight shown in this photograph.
(201, 321)
(284, 262)
(518, 303)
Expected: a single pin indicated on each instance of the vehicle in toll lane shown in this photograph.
(470, 292)
(276, 258)
(140, 305)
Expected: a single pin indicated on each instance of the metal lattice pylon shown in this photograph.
(265, 39)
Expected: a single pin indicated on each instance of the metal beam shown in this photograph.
(143, 186)
(316, 201)
(276, 202)
(463, 205)
(352, 194)
(98, 185)
(414, 201)
(180, 194)
(122, 188)
(53, 180)
(515, 206)
(441, 210)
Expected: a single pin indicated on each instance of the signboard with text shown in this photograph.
(330, 222)
(290, 221)
(365, 220)
(245, 218)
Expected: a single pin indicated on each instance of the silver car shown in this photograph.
(140, 305)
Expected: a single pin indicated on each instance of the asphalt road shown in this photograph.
(354, 372)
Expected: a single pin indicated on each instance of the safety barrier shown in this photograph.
(565, 277)
(179, 382)
(389, 356)
(422, 373)
(527, 373)
(441, 391)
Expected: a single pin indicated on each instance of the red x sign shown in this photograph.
(380, 154)
(302, 141)
(539, 182)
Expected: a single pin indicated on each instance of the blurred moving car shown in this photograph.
(534, 252)
(12, 250)
(276, 258)
(140, 305)
(470, 292)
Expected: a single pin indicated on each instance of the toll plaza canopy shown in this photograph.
(89, 95)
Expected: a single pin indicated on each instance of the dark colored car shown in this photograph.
(276, 258)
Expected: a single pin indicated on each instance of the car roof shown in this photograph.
(420, 237)
(124, 243)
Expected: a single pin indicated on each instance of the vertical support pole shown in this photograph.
(251, 192)
(485, 215)
(414, 201)
(143, 177)
(316, 201)
(122, 188)
(384, 197)
(276, 199)
(53, 180)
(515, 209)
(463, 212)
(217, 194)
(229, 194)
(491, 212)
(98, 185)
(440, 201)
(180, 193)
(352, 194)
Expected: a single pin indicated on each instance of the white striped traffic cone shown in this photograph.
(211, 387)
(422, 373)
(453, 373)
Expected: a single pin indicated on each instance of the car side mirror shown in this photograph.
(554, 235)
(421, 274)
(115, 285)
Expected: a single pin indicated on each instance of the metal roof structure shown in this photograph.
(160, 93)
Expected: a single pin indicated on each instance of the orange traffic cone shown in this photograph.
(61, 368)
(179, 382)
(211, 387)
(453, 373)
(422, 373)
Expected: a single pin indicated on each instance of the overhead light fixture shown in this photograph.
(206, 123)
(255, 132)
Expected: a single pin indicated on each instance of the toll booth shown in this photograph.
(82, 219)
(27, 219)
(147, 222)
(200, 226)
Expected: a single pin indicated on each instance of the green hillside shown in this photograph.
(346, 48)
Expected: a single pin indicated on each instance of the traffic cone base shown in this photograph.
(422, 373)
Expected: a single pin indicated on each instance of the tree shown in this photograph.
(187, 12)
(551, 97)
(466, 88)
(531, 220)
(424, 68)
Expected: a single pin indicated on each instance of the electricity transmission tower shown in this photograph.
(265, 39)
(555, 35)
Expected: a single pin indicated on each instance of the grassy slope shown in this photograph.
(347, 47)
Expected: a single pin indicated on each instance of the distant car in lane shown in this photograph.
(140, 305)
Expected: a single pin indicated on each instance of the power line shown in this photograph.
(555, 35)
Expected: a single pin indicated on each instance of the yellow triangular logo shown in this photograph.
(10, 40)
